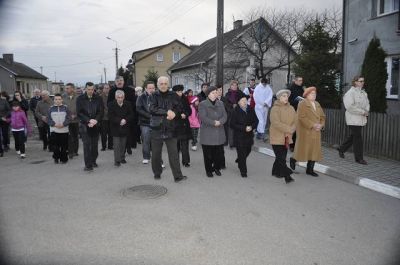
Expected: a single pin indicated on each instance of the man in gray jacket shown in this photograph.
(41, 111)
(69, 99)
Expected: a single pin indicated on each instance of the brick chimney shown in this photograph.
(8, 57)
(237, 24)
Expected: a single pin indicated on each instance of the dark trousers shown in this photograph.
(131, 141)
(173, 157)
(212, 157)
(183, 147)
(242, 154)
(195, 134)
(146, 141)
(90, 146)
(44, 132)
(1, 143)
(73, 140)
(355, 140)
(19, 138)
(5, 130)
(60, 146)
(280, 169)
(119, 148)
(106, 137)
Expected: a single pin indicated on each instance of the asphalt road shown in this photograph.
(58, 214)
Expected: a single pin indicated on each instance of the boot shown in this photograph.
(292, 163)
(288, 179)
(310, 169)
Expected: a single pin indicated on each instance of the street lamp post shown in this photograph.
(116, 55)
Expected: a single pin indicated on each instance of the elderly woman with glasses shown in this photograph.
(357, 109)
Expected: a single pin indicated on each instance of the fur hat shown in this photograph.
(242, 95)
(177, 88)
(282, 91)
(308, 90)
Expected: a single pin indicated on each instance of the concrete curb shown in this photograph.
(363, 182)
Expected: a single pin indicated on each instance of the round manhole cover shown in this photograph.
(38, 162)
(144, 192)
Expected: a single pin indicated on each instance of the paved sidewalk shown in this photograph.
(379, 172)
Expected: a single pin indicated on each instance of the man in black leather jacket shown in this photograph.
(143, 111)
(165, 107)
(89, 108)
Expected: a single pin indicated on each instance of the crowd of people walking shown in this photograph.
(123, 116)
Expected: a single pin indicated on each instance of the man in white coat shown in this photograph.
(263, 99)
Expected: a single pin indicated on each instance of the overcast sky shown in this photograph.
(69, 37)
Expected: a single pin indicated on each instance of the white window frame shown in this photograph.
(173, 57)
(392, 8)
(160, 57)
(389, 64)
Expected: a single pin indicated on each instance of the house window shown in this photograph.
(160, 57)
(176, 56)
(392, 84)
(176, 81)
(387, 6)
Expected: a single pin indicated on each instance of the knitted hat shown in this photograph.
(210, 89)
(281, 92)
(308, 90)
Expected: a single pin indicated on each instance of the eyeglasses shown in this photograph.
(361, 81)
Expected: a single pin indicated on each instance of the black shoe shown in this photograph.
(341, 154)
(103, 149)
(362, 162)
(76, 154)
(292, 163)
(117, 164)
(1, 154)
(110, 148)
(64, 162)
(88, 169)
(55, 161)
(44, 148)
(244, 175)
(180, 179)
(288, 179)
(129, 151)
(186, 164)
(310, 169)
(236, 160)
(312, 173)
(223, 167)
(95, 165)
(70, 156)
(123, 161)
(209, 174)
(157, 177)
(217, 172)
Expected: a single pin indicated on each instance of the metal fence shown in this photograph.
(381, 135)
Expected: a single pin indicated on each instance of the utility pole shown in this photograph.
(55, 77)
(105, 76)
(41, 69)
(116, 55)
(220, 43)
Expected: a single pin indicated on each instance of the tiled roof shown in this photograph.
(21, 70)
(146, 52)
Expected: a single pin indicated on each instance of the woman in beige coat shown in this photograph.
(283, 119)
(310, 122)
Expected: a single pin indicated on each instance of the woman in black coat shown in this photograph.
(119, 114)
(184, 134)
(243, 121)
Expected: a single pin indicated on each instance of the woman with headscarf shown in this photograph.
(283, 125)
(243, 122)
(311, 120)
